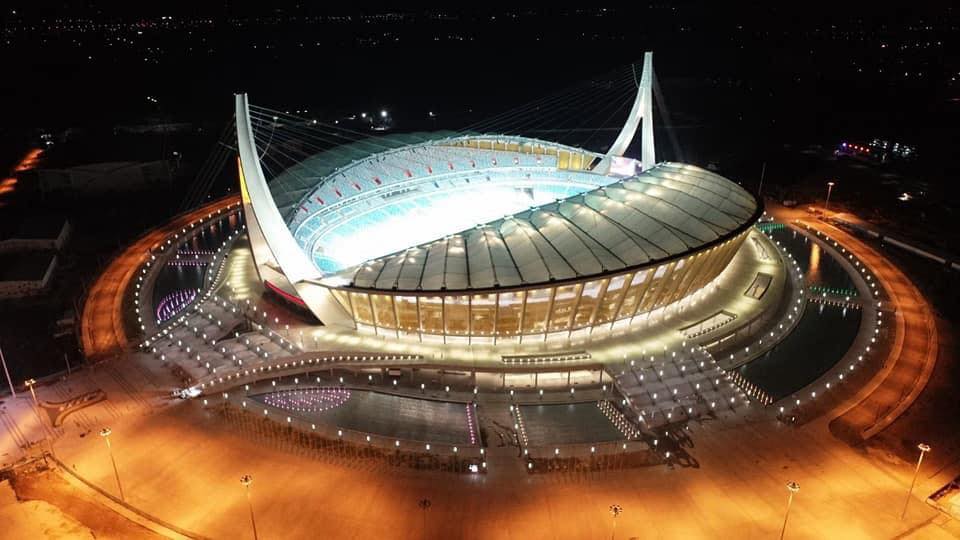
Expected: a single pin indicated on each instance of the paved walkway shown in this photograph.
(103, 332)
(183, 465)
(910, 360)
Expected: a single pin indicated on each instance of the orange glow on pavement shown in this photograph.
(29, 161)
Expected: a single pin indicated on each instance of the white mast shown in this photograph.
(642, 110)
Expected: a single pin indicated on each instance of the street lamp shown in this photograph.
(3, 361)
(29, 384)
(924, 448)
(424, 504)
(36, 411)
(246, 480)
(615, 511)
(830, 185)
(105, 433)
(792, 487)
(36, 405)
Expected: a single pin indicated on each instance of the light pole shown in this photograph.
(424, 504)
(763, 172)
(36, 405)
(36, 411)
(615, 511)
(29, 384)
(792, 487)
(246, 480)
(13, 393)
(830, 185)
(105, 433)
(924, 448)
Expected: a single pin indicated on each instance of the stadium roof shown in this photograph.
(664, 212)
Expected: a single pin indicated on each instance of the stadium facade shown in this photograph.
(486, 238)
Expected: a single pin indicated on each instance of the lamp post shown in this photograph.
(246, 480)
(424, 504)
(29, 384)
(105, 433)
(792, 487)
(763, 172)
(36, 411)
(924, 448)
(830, 185)
(615, 511)
(3, 360)
(36, 405)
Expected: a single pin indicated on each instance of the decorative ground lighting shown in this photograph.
(424, 504)
(246, 480)
(792, 487)
(105, 433)
(615, 511)
(924, 448)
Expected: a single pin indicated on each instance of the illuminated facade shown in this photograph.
(558, 311)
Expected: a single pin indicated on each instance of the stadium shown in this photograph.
(488, 300)
(479, 238)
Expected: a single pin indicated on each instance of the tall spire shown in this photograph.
(276, 254)
(642, 110)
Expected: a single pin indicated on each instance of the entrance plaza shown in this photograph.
(181, 464)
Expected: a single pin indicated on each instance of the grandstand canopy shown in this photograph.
(664, 212)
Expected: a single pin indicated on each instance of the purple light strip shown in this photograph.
(174, 302)
(312, 400)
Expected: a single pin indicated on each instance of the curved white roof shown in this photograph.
(666, 211)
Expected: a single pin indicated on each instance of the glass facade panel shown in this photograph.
(564, 303)
(342, 299)
(698, 275)
(407, 313)
(611, 299)
(631, 298)
(431, 314)
(654, 290)
(589, 301)
(361, 307)
(383, 311)
(693, 269)
(457, 314)
(509, 313)
(704, 275)
(671, 282)
(717, 264)
(537, 309)
(576, 161)
(483, 313)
